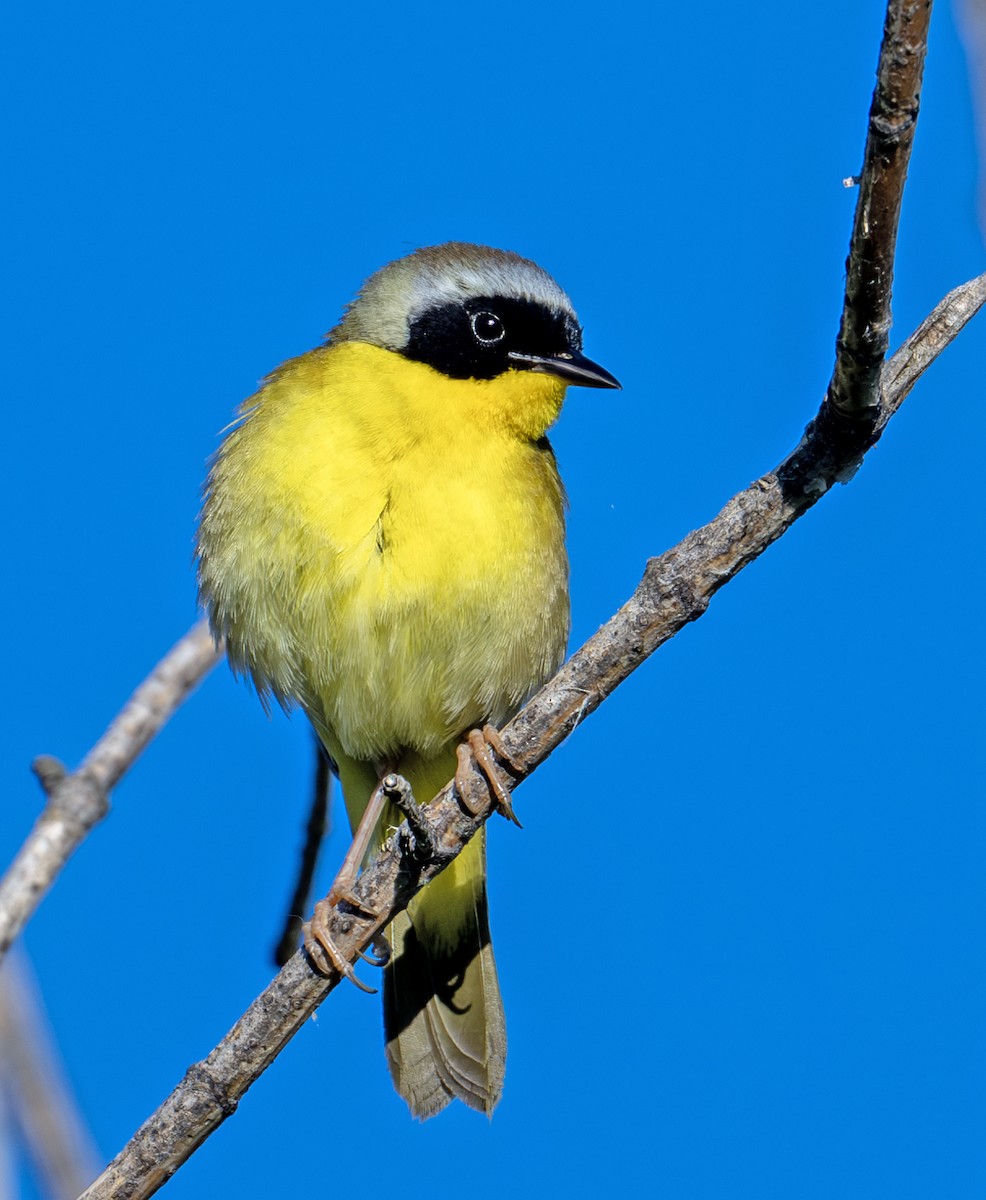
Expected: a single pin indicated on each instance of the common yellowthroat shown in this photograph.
(382, 542)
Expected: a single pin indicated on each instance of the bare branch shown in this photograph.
(864, 331)
(180, 671)
(941, 326)
(78, 801)
(676, 589)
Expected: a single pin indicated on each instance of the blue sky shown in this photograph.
(794, 1002)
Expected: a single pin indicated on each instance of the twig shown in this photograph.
(864, 330)
(942, 325)
(78, 801)
(676, 589)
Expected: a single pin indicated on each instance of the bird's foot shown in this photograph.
(321, 949)
(476, 749)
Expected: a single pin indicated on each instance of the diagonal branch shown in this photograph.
(676, 588)
(79, 801)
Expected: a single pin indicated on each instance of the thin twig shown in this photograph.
(942, 325)
(676, 589)
(78, 801)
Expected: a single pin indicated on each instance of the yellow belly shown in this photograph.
(385, 546)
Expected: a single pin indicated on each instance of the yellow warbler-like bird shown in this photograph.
(382, 542)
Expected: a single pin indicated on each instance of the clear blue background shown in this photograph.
(741, 936)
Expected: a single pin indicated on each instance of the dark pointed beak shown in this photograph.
(570, 366)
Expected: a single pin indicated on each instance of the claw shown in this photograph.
(382, 955)
(322, 950)
(477, 749)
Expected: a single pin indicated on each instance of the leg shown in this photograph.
(318, 941)
(342, 887)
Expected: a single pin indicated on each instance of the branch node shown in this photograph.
(894, 129)
(80, 800)
(50, 772)
(203, 1083)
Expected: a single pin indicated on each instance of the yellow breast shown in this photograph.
(385, 545)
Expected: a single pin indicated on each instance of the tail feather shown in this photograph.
(443, 1016)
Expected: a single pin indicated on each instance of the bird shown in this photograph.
(382, 543)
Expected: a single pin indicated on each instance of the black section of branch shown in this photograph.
(864, 331)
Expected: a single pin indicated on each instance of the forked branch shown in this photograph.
(676, 589)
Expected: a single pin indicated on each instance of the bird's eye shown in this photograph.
(487, 327)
